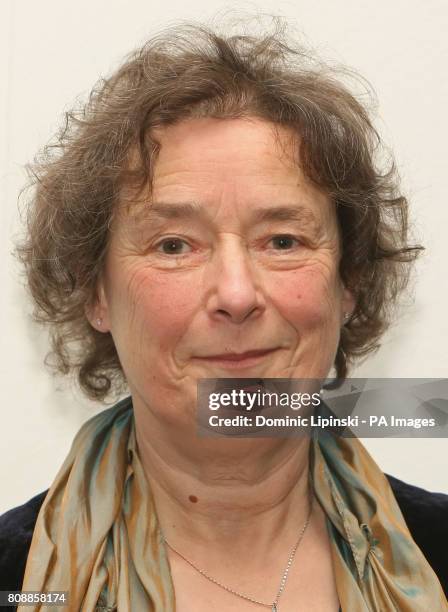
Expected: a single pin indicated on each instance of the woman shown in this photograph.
(216, 212)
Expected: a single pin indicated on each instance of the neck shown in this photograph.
(209, 490)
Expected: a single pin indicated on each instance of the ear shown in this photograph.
(97, 312)
(348, 304)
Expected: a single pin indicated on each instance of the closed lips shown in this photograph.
(239, 356)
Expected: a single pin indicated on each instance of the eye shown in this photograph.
(172, 246)
(284, 242)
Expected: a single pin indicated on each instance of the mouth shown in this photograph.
(237, 360)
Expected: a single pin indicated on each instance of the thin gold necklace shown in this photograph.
(274, 605)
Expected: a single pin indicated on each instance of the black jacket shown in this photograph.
(426, 515)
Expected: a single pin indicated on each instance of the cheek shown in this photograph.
(307, 297)
(161, 307)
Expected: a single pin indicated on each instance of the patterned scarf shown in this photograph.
(97, 533)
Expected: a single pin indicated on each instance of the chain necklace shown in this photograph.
(274, 605)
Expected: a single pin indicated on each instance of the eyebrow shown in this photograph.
(158, 211)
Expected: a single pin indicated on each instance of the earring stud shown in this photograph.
(99, 322)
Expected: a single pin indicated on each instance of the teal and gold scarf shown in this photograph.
(97, 533)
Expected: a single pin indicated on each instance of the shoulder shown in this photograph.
(16, 532)
(426, 515)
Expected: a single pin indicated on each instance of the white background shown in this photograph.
(53, 51)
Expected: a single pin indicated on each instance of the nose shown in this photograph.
(236, 293)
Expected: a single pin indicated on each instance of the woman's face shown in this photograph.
(234, 252)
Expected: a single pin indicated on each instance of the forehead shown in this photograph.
(230, 147)
(232, 167)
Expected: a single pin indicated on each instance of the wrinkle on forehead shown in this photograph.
(176, 186)
(253, 141)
